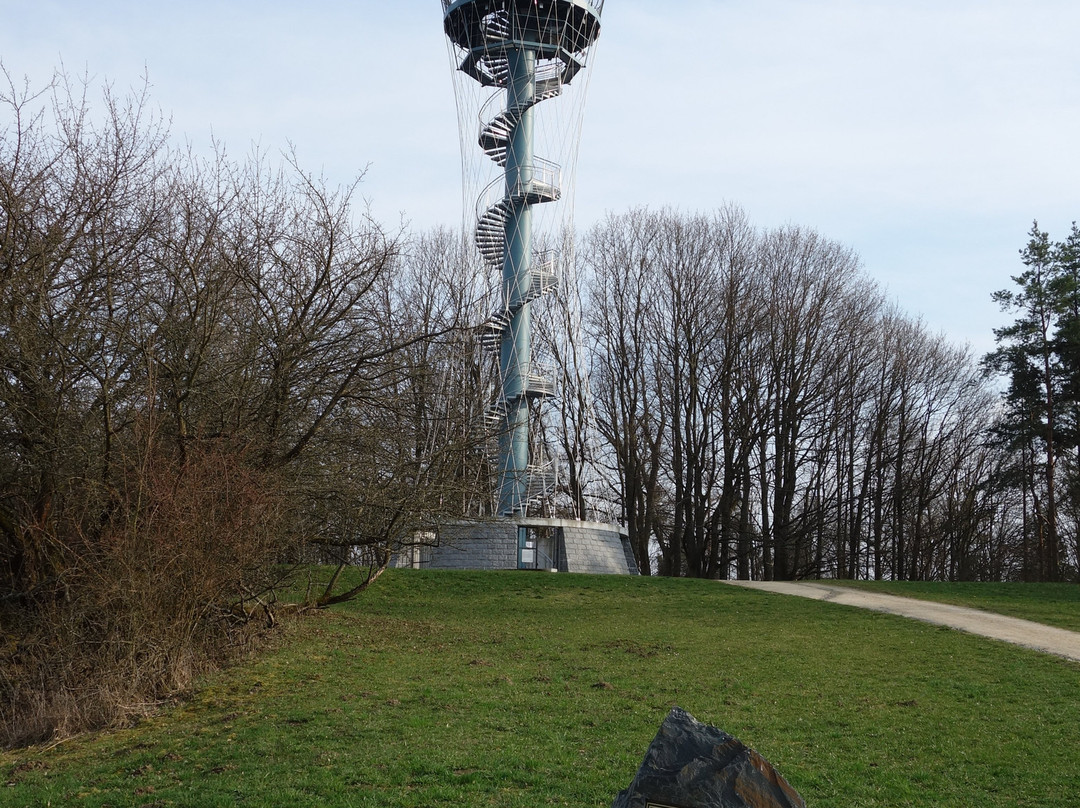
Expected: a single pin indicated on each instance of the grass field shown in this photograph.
(526, 689)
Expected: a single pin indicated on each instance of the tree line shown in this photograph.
(766, 412)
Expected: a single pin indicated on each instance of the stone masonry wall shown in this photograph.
(588, 547)
(594, 549)
(474, 546)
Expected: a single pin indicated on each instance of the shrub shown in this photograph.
(114, 621)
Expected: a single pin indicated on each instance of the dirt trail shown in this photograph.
(1048, 639)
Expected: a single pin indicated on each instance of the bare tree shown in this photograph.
(620, 288)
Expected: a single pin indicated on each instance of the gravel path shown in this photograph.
(1048, 639)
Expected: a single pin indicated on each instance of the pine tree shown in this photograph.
(1036, 354)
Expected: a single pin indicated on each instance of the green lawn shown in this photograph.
(529, 689)
(1052, 604)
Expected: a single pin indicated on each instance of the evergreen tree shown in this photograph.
(1039, 353)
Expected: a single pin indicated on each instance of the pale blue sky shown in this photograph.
(926, 135)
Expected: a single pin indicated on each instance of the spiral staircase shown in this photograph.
(530, 49)
(496, 210)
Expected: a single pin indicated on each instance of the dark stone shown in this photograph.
(693, 765)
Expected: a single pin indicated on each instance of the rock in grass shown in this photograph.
(693, 765)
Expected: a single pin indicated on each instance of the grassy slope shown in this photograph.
(1052, 604)
(517, 689)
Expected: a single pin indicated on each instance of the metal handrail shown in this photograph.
(547, 261)
(492, 195)
(544, 173)
(543, 479)
(541, 370)
(598, 5)
(540, 378)
(486, 118)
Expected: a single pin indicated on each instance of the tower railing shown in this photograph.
(546, 176)
(596, 4)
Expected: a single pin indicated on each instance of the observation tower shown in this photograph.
(518, 56)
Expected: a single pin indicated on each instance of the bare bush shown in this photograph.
(162, 592)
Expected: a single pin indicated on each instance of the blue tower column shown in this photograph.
(515, 350)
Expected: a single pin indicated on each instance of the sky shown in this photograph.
(927, 135)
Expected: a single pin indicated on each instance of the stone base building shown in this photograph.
(555, 545)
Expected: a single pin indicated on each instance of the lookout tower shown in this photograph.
(518, 56)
